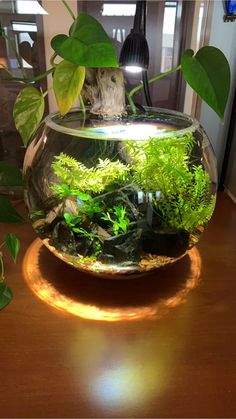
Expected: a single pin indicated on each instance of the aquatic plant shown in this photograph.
(120, 223)
(75, 177)
(166, 166)
(189, 208)
(90, 208)
(72, 221)
(161, 164)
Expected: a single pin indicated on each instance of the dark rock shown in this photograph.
(106, 258)
(85, 246)
(172, 244)
(122, 248)
(125, 197)
(63, 238)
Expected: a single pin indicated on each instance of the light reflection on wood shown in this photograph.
(42, 285)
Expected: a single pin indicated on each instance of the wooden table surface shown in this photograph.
(170, 350)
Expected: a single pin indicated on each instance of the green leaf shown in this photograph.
(87, 45)
(8, 213)
(28, 112)
(5, 295)
(13, 244)
(1, 30)
(68, 81)
(83, 196)
(208, 73)
(67, 217)
(9, 175)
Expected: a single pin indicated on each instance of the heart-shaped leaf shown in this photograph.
(8, 213)
(28, 112)
(5, 295)
(13, 245)
(9, 175)
(208, 73)
(87, 45)
(68, 81)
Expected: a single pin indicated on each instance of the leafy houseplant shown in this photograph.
(9, 176)
(111, 189)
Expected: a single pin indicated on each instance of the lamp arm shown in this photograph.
(138, 17)
(152, 80)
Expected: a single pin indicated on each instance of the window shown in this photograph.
(168, 35)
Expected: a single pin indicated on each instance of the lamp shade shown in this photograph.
(135, 51)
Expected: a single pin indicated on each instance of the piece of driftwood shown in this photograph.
(104, 91)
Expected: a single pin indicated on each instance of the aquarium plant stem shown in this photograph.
(69, 9)
(152, 80)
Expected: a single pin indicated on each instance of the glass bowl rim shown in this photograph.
(82, 132)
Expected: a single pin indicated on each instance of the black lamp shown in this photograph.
(134, 56)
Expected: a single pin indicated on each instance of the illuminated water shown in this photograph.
(122, 196)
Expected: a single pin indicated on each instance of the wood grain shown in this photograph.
(181, 364)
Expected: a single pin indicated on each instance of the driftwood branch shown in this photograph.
(104, 90)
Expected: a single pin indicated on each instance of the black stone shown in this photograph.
(85, 246)
(172, 244)
(63, 238)
(122, 248)
(124, 197)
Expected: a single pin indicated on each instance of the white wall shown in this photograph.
(57, 21)
(223, 36)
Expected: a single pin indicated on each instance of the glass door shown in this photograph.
(25, 34)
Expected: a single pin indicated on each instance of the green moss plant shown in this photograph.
(74, 177)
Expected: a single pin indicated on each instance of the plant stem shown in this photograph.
(131, 103)
(69, 9)
(7, 70)
(152, 80)
(52, 59)
(18, 57)
(2, 271)
(83, 109)
(82, 106)
(30, 80)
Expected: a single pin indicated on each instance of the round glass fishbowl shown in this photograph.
(120, 196)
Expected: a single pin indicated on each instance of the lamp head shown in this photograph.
(134, 54)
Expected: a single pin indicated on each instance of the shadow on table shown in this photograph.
(138, 291)
(97, 298)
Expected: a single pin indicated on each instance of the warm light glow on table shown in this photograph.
(44, 289)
